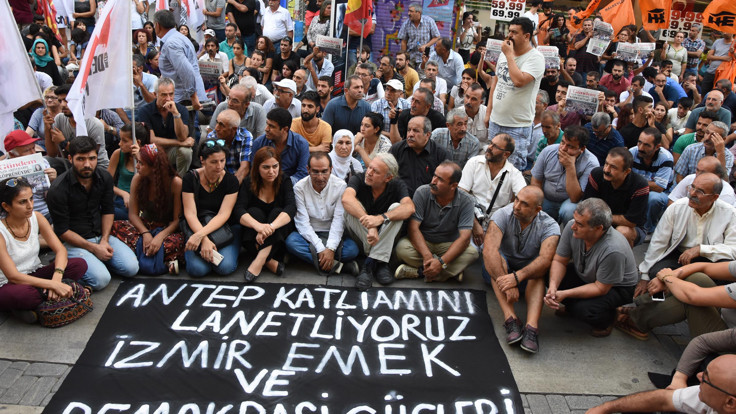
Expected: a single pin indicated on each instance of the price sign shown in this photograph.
(506, 10)
(682, 21)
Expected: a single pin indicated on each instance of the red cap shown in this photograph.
(18, 138)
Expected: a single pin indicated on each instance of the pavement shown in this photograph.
(572, 372)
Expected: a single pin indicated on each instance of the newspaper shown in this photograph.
(628, 52)
(551, 56)
(210, 71)
(331, 45)
(602, 33)
(31, 167)
(493, 50)
(645, 49)
(581, 100)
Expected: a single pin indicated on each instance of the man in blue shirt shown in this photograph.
(655, 164)
(661, 91)
(291, 147)
(603, 136)
(347, 111)
(449, 62)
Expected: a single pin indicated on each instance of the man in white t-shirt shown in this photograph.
(277, 23)
(519, 72)
(715, 394)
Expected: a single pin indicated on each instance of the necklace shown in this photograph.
(13, 233)
(212, 185)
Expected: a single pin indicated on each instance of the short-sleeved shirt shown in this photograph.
(338, 114)
(416, 36)
(724, 115)
(94, 131)
(729, 314)
(660, 171)
(600, 147)
(382, 107)
(206, 201)
(609, 83)
(513, 106)
(549, 170)
(688, 161)
(669, 93)
(417, 169)
(394, 192)
(521, 247)
(467, 148)
(543, 143)
(246, 22)
(294, 157)
(720, 48)
(254, 119)
(631, 133)
(238, 151)
(697, 45)
(683, 142)
(440, 224)
(609, 261)
(276, 24)
(74, 208)
(321, 135)
(687, 400)
(631, 199)
(215, 22)
(162, 128)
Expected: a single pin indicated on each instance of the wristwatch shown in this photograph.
(442, 262)
(385, 219)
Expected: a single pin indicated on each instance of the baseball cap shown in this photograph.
(396, 84)
(209, 32)
(288, 84)
(17, 139)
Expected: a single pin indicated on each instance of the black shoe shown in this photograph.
(280, 269)
(513, 330)
(529, 341)
(249, 277)
(351, 267)
(365, 279)
(383, 274)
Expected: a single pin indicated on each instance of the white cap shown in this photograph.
(288, 84)
(396, 84)
(209, 32)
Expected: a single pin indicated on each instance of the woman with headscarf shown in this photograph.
(343, 163)
(44, 62)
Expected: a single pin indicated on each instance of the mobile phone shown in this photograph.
(217, 258)
(426, 51)
(658, 297)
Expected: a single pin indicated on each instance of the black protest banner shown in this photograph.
(189, 347)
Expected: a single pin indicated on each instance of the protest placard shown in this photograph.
(602, 33)
(210, 71)
(507, 10)
(493, 50)
(645, 49)
(331, 45)
(682, 21)
(628, 52)
(30, 167)
(581, 100)
(551, 56)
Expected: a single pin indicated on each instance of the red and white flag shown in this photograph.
(162, 5)
(105, 77)
(195, 18)
(18, 84)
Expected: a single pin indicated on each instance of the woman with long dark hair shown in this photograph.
(266, 207)
(24, 280)
(152, 63)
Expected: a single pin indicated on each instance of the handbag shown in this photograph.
(151, 265)
(220, 237)
(484, 218)
(56, 313)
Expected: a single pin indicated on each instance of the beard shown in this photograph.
(307, 116)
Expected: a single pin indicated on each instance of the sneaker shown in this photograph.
(406, 272)
(513, 330)
(529, 341)
(365, 279)
(27, 316)
(383, 274)
(351, 267)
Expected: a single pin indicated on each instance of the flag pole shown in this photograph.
(347, 46)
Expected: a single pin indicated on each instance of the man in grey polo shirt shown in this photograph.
(438, 246)
(252, 114)
(455, 139)
(594, 270)
(562, 170)
(517, 253)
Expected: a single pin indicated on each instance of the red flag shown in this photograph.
(358, 16)
(721, 15)
(46, 9)
(618, 13)
(655, 14)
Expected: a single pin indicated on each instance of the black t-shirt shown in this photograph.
(631, 133)
(395, 191)
(278, 62)
(417, 169)
(150, 115)
(209, 202)
(436, 118)
(246, 21)
(629, 200)
(550, 89)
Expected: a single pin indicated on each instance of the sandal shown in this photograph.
(173, 267)
(626, 325)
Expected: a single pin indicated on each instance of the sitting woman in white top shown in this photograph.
(24, 281)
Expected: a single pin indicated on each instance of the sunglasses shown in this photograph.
(211, 143)
(13, 182)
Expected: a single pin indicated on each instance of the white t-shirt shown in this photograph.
(625, 94)
(675, 122)
(532, 16)
(686, 400)
(440, 88)
(514, 107)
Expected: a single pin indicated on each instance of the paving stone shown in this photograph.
(43, 369)
(47, 400)
(607, 398)
(20, 365)
(524, 402)
(582, 402)
(40, 389)
(557, 404)
(19, 409)
(9, 376)
(61, 380)
(4, 364)
(528, 410)
(14, 394)
(538, 404)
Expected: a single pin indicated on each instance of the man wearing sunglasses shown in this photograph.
(593, 271)
(715, 394)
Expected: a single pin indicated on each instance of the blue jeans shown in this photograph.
(657, 205)
(521, 135)
(560, 211)
(299, 247)
(123, 262)
(250, 43)
(197, 267)
(121, 212)
(220, 35)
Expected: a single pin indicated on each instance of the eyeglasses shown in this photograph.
(704, 379)
(211, 143)
(493, 145)
(50, 98)
(13, 182)
(698, 192)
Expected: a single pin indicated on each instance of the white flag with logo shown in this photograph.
(195, 18)
(18, 84)
(105, 77)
